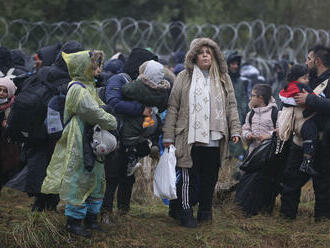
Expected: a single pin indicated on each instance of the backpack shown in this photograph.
(273, 116)
(25, 120)
(55, 111)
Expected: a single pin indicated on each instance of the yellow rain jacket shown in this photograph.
(66, 174)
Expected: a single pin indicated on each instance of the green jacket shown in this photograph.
(66, 174)
(147, 93)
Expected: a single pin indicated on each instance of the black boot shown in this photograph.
(174, 209)
(204, 216)
(52, 201)
(91, 222)
(187, 219)
(39, 204)
(74, 226)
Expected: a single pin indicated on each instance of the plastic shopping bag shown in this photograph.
(165, 176)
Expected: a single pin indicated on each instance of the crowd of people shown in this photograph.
(210, 107)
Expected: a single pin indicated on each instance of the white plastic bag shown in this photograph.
(165, 176)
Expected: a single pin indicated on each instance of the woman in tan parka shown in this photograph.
(202, 116)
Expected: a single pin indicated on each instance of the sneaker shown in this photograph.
(132, 168)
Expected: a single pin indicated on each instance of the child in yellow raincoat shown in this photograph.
(81, 189)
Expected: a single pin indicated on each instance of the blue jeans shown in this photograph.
(91, 205)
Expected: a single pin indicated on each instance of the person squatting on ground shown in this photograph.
(318, 63)
(151, 90)
(255, 191)
(202, 116)
(294, 116)
(67, 175)
(119, 106)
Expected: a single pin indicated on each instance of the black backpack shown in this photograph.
(273, 115)
(27, 115)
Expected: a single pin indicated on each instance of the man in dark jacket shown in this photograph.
(116, 165)
(318, 62)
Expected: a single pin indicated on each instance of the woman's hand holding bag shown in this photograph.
(165, 175)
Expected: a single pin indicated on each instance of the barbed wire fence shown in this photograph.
(256, 38)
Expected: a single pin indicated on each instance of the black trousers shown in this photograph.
(309, 136)
(197, 184)
(293, 181)
(116, 177)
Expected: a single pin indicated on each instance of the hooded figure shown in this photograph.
(57, 76)
(48, 54)
(38, 154)
(201, 118)
(66, 175)
(135, 59)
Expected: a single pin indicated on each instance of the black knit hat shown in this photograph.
(136, 58)
(48, 54)
(296, 72)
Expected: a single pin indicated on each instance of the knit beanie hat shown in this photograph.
(136, 58)
(48, 54)
(6, 82)
(153, 71)
(296, 72)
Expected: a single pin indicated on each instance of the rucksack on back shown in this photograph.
(55, 111)
(273, 116)
(28, 111)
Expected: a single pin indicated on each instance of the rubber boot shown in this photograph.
(187, 219)
(39, 204)
(52, 201)
(74, 226)
(91, 222)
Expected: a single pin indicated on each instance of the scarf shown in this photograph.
(206, 107)
(7, 105)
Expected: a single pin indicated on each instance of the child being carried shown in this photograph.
(151, 90)
(298, 120)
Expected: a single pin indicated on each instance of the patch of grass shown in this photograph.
(148, 225)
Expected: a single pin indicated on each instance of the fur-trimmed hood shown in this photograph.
(195, 46)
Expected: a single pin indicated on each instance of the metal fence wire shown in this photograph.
(261, 41)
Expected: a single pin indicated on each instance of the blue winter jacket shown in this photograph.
(115, 100)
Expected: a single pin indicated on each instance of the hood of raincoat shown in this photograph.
(82, 64)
